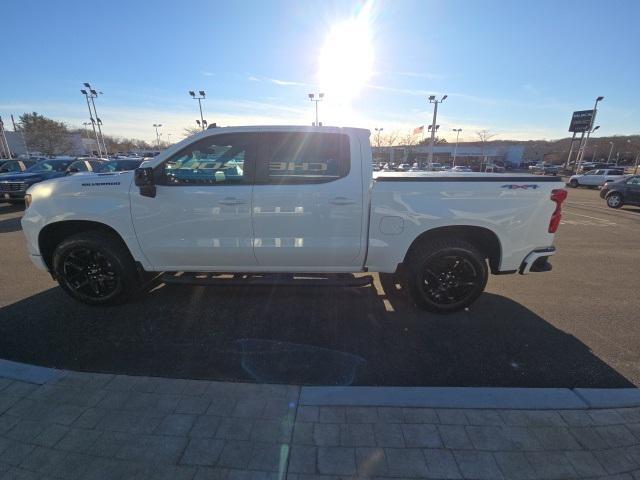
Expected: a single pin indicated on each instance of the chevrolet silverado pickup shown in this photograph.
(270, 200)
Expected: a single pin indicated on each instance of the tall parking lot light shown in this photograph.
(455, 149)
(93, 122)
(378, 132)
(583, 147)
(589, 132)
(316, 98)
(199, 98)
(610, 152)
(94, 94)
(635, 165)
(432, 99)
(157, 126)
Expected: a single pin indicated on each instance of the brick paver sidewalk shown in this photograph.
(100, 426)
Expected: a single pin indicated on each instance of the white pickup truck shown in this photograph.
(265, 200)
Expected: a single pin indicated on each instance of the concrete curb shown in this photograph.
(29, 373)
(429, 397)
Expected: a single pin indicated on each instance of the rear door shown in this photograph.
(632, 193)
(308, 201)
(595, 177)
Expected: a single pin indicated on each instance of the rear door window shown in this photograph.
(299, 157)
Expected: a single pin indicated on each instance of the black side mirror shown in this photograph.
(145, 180)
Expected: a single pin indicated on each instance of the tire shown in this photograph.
(614, 200)
(574, 183)
(446, 275)
(95, 268)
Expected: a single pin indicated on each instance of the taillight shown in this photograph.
(558, 196)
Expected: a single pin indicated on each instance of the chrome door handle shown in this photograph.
(341, 201)
(231, 201)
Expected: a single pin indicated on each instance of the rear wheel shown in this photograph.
(445, 275)
(574, 183)
(614, 200)
(95, 268)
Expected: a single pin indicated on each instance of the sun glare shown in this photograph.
(346, 58)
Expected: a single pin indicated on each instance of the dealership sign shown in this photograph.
(581, 121)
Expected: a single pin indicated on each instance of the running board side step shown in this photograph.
(293, 280)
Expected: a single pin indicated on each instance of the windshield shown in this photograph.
(50, 166)
(118, 165)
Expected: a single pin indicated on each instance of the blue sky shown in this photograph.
(516, 68)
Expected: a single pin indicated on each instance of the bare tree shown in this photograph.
(409, 139)
(390, 138)
(189, 131)
(484, 136)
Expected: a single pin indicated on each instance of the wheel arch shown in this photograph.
(52, 234)
(485, 240)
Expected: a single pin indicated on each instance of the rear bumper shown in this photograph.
(537, 261)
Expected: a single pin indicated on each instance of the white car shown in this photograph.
(460, 168)
(302, 200)
(596, 178)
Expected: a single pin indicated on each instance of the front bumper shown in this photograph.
(537, 261)
(16, 196)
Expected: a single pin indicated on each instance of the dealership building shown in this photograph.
(466, 154)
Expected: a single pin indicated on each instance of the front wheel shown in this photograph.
(574, 183)
(94, 268)
(446, 275)
(614, 200)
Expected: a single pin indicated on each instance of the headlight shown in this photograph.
(27, 200)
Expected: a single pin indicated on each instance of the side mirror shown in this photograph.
(145, 180)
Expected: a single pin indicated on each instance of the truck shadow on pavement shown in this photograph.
(310, 335)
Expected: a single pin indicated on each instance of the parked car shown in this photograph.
(15, 166)
(14, 185)
(551, 170)
(622, 192)
(86, 165)
(460, 168)
(305, 201)
(596, 178)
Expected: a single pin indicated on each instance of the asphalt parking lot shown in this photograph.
(576, 326)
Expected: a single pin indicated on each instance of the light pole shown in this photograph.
(94, 94)
(581, 153)
(610, 152)
(86, 132)
(582, 147)
(316, 98)
(169, 138)
(200, 98)
(157, 126)
(635, 166)
(455, 150)
(93, 122)
(378, 131)
(432, 99)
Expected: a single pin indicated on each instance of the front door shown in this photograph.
(632, 192)
(200, 218)
(308, 201)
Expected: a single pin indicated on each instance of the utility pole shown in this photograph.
(200, 98)
(432, 99)
(316, 98)
(635, 167)
(455, 150)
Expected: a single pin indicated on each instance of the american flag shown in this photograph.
(418, 130)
